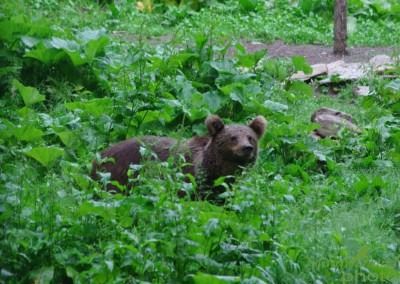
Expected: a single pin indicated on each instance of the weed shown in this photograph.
(73, 80)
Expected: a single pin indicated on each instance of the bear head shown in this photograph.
(236, 143)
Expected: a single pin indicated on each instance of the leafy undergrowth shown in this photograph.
(310, 211)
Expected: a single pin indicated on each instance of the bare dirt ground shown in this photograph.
(317, 53)
(312, 52)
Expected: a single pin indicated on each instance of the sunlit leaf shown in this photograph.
(203, 278)
(300, 64)
(76, 58)
(45, 155)
(393, 85)
(30, 95)
(45, 55)
(68, 45)
(27, 133)
(275, 107)
(301, 89)
(223, 66)
(95, 107)
(69, 138)
(96, 208)
(250, 60)
(95, 47)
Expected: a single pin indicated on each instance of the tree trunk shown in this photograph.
(340, 27)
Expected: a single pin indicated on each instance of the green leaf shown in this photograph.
(203, 278)
(45, 155)
(7, 29)
(95, 47)
(27, 133)
(300, 64)
(248, 5)
(69, 138)
(223, 66)
(30, 41)
(97, 208)
(45, 55)
(43, 275)
(393, 85)
(30, 95)
(300, 89)
(213, 101)
(95, 107)
(275, 107)
(250, 60)
(76, 58)
(67, 45)
(383, 271)
(90, 35)
(237, 88)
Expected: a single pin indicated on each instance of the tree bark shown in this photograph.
(340, 27)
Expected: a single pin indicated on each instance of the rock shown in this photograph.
(361, 91)
(382, 63)
(318, 69)
(331, 122)
(343, 71)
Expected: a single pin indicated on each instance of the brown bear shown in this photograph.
(223, 152)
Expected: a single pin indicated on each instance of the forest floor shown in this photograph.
(317, 53)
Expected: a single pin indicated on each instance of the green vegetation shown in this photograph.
(77, 76)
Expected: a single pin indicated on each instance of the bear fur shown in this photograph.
(223, 152)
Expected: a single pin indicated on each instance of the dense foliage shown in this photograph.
(76, 77)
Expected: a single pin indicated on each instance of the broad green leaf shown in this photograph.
(26, 112)
(45, 55)
(30, 95)
(45, 155)
(7, 29)
(27, 133)
(195, 113)
(250, 60)
(203, 278)
(173, 63)
(213, 101)
(394, 85)
(223, 66)
(300, 64)
(67, 45)
(97, 208)
(95, 47)
(69, 138)
(95, 107)
(148, 116)
(90, 35)
(43, 275)
(383, 271)
(275, 107)
(248, 5)
(234, 87)
(300, 88)
(76, 57)
(30, 41)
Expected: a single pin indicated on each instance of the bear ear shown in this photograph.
(258, 125)
(214, 124)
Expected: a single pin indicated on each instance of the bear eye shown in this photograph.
(250, 138)
(233, 138)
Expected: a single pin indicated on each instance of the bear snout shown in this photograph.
(247, 149)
